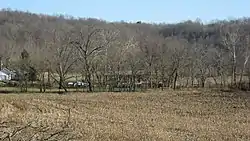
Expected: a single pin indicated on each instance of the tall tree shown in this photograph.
(133, 60)
(90, 42)
(24, 70)
(231, 35)
(177, 54)
(148, 46)
(64, 58)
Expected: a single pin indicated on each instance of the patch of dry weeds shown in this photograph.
(169, 115)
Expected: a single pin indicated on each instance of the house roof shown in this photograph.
(3, 73)
(7, 71)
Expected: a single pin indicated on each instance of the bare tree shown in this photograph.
(246, 54)
(218, 67)
(202, 63)
(162, 60)
(38, 59)
(231, 35)
(134, 61)
(114, 63)
(177, 53)
(63, 59)
(148, 44)
(7, 47)
(91, 42)
(24, 64)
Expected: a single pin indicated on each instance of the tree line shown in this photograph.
(186, 54)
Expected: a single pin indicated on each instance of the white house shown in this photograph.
(6, 74)
(3, 76)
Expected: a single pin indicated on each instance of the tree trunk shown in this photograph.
(175, 79)
(215, 81)
(248, 81)
(76, 86)
(61, 85)
(88, 74)
(234, 70)
(243, 69)
(99, 79)
(150, 77)
(162, 79)
(89, 83)
(241, 77)
(7, 62)
(187, 82)
(203, 82)
(156, 78)
(26, 85)
(49, 78)
(133, 83)
(119, 77)
(191, 75)
(41, 84)
(1, 63)
(170, 81)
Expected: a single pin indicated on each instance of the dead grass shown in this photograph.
(181, 115)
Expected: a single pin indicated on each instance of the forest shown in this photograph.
(51, 51)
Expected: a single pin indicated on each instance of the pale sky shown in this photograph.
(167, 11)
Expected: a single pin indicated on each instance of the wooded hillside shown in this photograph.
(163, 53)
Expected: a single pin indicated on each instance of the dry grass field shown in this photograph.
(171, 115)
